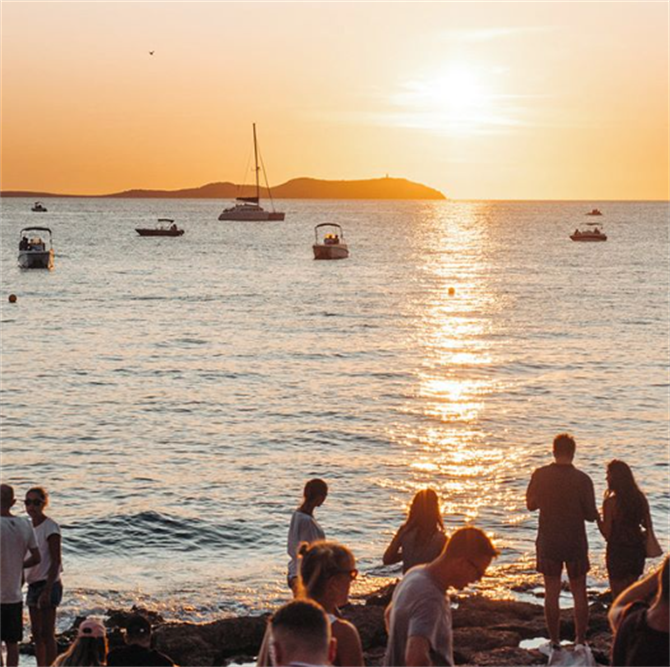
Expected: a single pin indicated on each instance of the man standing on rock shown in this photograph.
(565, 498)
(419, 616)
(17, 538)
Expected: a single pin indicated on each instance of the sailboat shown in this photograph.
(250, 208)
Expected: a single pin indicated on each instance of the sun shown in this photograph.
(458, 99)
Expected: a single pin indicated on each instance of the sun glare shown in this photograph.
(460, 99)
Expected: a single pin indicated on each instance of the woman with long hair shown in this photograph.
(326, 570)
(45, 590)
(421, 538)
(626, 519)
(89, 649)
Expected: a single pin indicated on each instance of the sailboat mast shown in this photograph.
(258, 189)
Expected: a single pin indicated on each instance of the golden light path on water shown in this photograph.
(449, 450)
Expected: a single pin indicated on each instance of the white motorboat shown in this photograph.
(250, 208)
(36, 252)
(588, 235)
(331, 245)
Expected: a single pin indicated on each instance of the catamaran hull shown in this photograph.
(251, 215)
(330, 251)
(36, 259)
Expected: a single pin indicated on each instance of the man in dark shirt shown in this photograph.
(640, 618)
(565, 498)
(138, 651)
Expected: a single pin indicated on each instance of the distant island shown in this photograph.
(298, 188)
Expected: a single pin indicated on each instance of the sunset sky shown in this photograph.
(565, 100)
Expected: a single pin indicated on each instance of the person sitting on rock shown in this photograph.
(640, 618)
(301, 635)
(89, 649)
(138, 651)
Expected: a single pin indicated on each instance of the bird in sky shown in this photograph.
(151, 53)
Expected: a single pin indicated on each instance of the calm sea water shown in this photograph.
(175, 394)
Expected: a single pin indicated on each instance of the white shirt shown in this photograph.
(17, 537)
(40, 572)
(303, 528)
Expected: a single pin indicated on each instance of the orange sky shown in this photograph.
(480, 100)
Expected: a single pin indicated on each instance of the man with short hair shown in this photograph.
(138, 651)
(16, 538)
(640, 619)
(419, 616)
(566, 499)
(301, 636)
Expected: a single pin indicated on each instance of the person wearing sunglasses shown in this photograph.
(45, 590)
(326, 570)
(17, 540)
(419, 616)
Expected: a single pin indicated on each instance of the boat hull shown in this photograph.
(258, 214)
(591, 238)
(322, 251)
(36, 259)
(160, 232)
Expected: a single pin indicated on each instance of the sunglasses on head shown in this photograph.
(35, 501)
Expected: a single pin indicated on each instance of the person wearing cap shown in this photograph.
(138, 651)
(89, 649)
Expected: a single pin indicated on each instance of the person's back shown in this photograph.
(418, 549)
(565, 497)
(138, 651)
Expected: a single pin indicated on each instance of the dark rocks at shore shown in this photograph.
(486, 632)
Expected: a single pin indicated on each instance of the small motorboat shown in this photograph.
(39, 207)
(34, 251)
(588, 235)
(594, 211)
(165, 227)
(331, 245)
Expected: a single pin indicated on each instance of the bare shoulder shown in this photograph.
(344, 629)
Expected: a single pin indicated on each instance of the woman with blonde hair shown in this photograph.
(421, 538)
(326, 570)
(89, 649)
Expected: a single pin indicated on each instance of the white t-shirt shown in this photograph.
(40, 572)
(17, 537)
(303, 528)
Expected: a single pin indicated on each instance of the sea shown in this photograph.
(174, 394)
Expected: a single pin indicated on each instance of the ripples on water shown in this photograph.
(175, 394)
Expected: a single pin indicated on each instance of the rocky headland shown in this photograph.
(486, 632)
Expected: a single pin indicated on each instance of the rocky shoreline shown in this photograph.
(486, 632)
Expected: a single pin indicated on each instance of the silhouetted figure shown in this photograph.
(138, 651)
(565, 498)
(421, 538)
(626, 519)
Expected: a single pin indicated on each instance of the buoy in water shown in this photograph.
(452, 291)
(12, 298)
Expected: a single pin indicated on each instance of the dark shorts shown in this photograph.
(35, 590)
(11, 623)
(554, 568)
(624, 561)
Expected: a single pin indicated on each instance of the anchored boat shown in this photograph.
(250, 208)
(36, 252)
(166, 227)
(331, 245)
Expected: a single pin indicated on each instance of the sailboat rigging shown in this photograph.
(251, 209)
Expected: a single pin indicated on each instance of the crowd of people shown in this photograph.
(310, 629)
